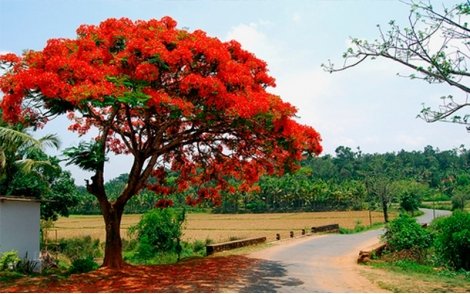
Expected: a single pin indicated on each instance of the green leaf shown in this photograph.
(156, 59)
(134, 98)
(87, 156)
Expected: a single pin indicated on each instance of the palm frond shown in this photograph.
(27, 165)
(12, 139)
(88, 156)
(50, 140)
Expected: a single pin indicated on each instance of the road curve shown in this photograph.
(325, 263)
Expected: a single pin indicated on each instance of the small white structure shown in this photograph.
(19, 226)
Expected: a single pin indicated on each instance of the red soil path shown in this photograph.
(200, 275)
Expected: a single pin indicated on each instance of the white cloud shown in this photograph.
(315, 94)
(306, 90)
(356, 107)
(254, 40)
(296, 18)
(410, 142)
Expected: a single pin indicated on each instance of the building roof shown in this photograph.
(19, 198)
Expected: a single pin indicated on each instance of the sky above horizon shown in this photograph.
(368, 106)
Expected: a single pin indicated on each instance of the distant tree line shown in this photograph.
(347, 180)
(353, 180)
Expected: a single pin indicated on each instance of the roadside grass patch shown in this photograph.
(360, 228)
(405, 266)
(410, 276)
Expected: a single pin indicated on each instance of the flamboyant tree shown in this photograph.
(172, 99)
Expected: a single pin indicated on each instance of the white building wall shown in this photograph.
(19, 227)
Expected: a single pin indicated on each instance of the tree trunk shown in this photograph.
(113, 247)
(385, 210)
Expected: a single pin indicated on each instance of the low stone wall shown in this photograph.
(366, 254)
(326, 228)
(213, 248)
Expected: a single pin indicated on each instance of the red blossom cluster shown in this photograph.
(164, 203)
(174, 99)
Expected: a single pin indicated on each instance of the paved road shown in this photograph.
(430, 214)
(323, 263)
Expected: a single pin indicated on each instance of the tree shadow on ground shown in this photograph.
(267, 277)
(214, 274)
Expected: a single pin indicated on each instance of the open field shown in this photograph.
(222, 227)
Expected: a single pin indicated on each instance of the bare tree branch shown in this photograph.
(435, 45)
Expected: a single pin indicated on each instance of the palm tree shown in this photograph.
(16, 150)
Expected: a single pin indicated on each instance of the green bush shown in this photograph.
(404, 233)
(159, 230)
(199, 247)
(409, 202)
(129, 245)
(144, 249)
(452, 239)
(83, 265)
(458, 202)
(257, 206)
(158, 239)
(461, 195)
(9, 260)
(80, 248)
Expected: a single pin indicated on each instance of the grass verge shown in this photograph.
(360, 228)
(408, 276)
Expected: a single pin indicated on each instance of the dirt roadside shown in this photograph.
(351, 273)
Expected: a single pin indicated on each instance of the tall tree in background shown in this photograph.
(378, 173)
(435, 46)
(170, 98)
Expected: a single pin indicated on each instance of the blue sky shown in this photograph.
(367, 106)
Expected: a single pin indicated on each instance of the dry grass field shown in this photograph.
(221, 227)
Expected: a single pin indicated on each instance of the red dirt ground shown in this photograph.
(199, 275)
